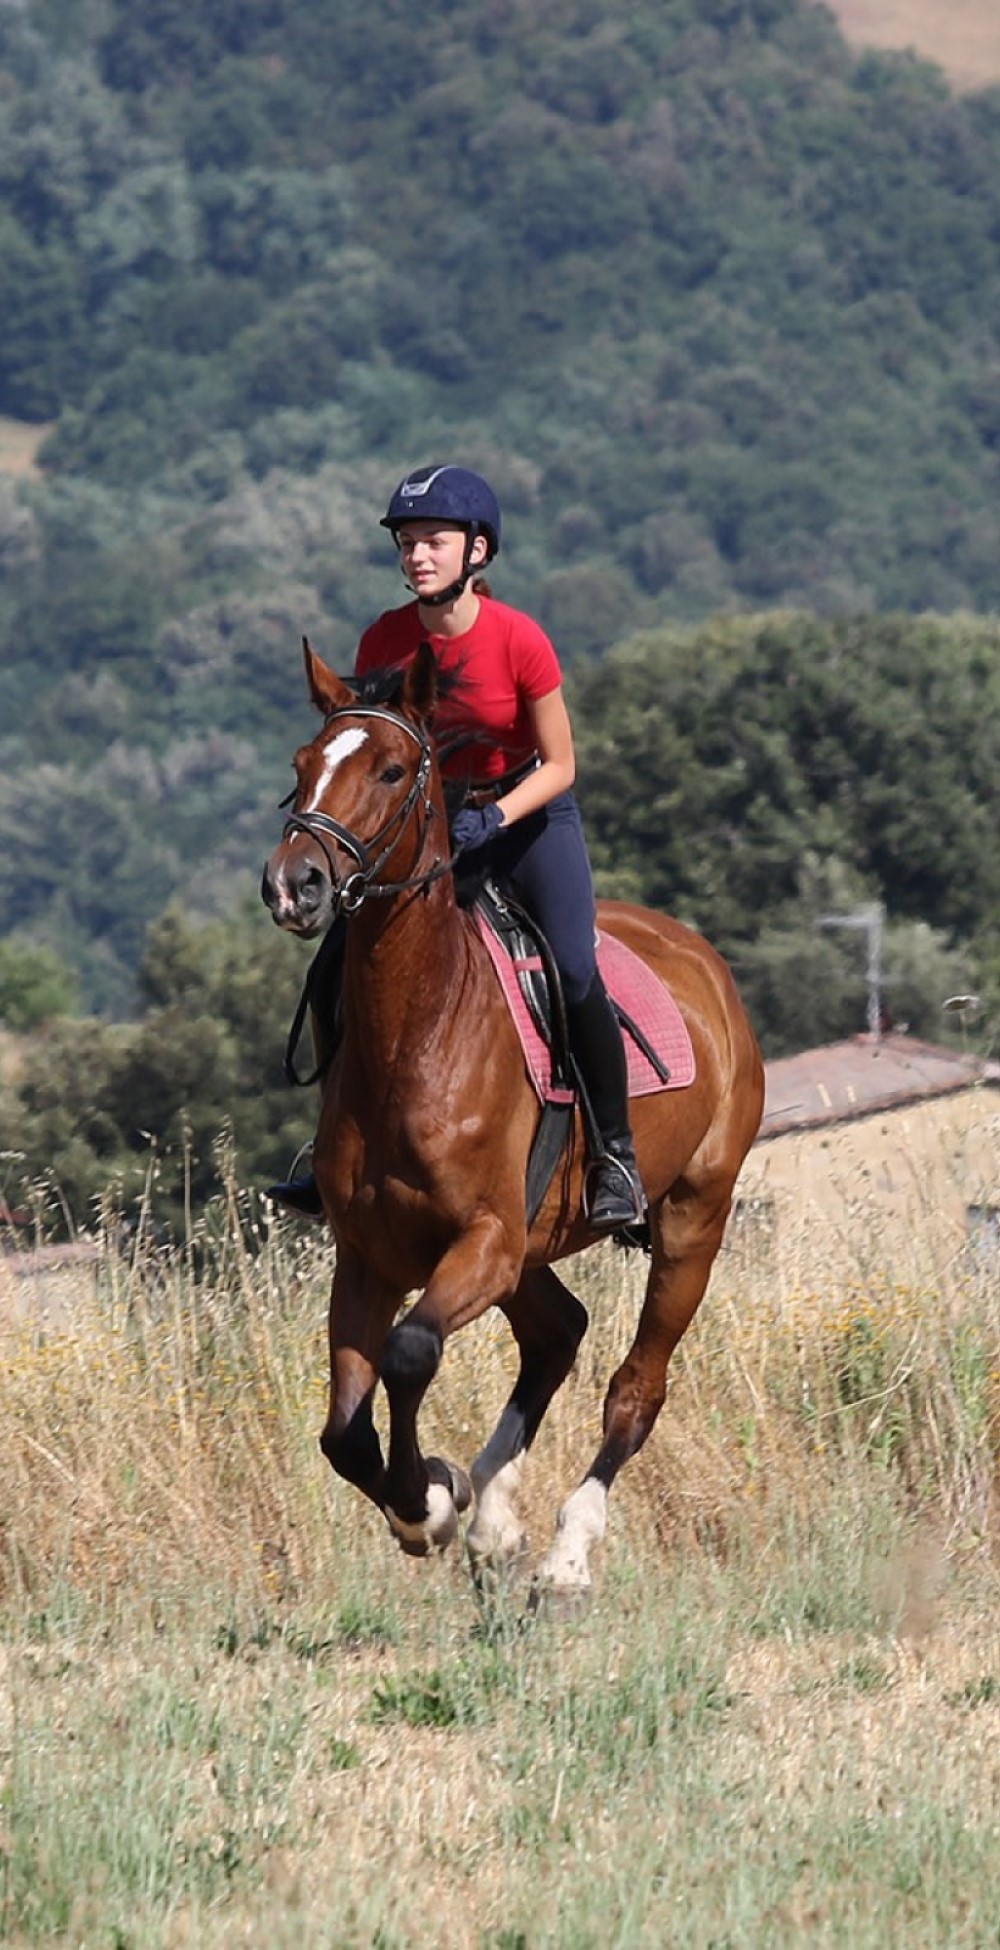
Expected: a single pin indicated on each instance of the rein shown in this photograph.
(349, 894)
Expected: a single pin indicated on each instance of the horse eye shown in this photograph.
(392, 775)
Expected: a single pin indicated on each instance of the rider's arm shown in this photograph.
(554, 745)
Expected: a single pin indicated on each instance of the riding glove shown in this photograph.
(475, 826)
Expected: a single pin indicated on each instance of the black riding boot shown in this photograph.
(613, 1194)
(324, 983)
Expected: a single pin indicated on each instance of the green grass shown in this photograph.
(651, 1774)
(231, 1712)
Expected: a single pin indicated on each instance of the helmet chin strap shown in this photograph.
(448, 595)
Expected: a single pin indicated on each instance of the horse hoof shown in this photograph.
(433, 1532)
(495, 1574)
(559, 1601)
(453, 1479)
(461, 1488)
(412, 1545)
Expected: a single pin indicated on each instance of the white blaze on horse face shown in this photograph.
(337, 750)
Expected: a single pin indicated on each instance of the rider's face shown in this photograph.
(432, 554)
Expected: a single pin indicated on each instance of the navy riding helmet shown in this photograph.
(447, 494)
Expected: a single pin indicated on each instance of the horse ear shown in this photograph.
(420, 682)
(328, 692)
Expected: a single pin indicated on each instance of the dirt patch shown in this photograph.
(19, 444)
(962, 36)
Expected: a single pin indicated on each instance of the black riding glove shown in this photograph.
(475, 826)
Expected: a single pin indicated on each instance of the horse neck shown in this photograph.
(406, 957)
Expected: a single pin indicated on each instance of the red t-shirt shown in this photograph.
(502, 662)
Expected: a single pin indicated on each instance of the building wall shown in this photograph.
(901, 1194)
(46, 1289)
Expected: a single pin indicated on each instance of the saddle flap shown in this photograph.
(658, 1045)
(530, 982)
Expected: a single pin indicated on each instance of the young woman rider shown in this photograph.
(519, 815)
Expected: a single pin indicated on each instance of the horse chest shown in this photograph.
(407, 1187)
(395, 1224)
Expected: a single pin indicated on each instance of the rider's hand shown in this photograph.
(475, 826)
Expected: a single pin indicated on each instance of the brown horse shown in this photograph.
(425, 1129)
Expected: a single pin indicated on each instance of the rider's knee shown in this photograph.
(577, 972)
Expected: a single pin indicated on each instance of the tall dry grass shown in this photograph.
(174, 1418)
(230, 1711)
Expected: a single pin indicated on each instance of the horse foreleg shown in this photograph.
(687, 1233)
(424, 1496)
(548, 1324)
(361, 1311)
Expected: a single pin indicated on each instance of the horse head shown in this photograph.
(367, 792)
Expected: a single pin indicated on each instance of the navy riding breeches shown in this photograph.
(544, 857)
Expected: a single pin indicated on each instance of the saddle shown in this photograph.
(658, 1047)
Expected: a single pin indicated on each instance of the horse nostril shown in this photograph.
(312, 887)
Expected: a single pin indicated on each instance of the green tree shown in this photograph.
(137, 1113)
(41, 350)
(35, 985)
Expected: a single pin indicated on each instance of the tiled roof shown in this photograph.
(863, 1075)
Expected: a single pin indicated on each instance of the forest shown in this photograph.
(711, 298)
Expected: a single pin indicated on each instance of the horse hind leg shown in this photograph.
(548, 1324)
(687, 1230)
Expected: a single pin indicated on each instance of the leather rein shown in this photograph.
(349, 894)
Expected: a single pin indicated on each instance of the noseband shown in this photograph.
(350, 893)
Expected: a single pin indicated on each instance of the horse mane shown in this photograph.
(385, 686)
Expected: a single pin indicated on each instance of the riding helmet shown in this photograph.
(447, 494)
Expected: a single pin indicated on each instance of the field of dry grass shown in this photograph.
(962, 36)
(230, 1712)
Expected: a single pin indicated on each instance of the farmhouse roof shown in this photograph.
(865, 1074)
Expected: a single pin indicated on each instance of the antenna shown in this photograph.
(872, 921)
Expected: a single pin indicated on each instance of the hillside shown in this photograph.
(962, 36)
(711, 298)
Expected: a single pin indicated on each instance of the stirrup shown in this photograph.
(612, 1194)
(299, 1196)
(298, 1193)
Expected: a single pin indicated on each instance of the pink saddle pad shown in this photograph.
(643, 997)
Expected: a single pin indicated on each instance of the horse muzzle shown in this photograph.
(298, 892)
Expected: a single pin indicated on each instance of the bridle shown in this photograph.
(349, 894)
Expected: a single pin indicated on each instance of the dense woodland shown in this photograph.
(715, 303)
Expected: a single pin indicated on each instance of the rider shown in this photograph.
(519, 812)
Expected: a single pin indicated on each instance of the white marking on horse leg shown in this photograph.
(336, 751)
(436, 1530)
(582, 1523)
(496, 1534)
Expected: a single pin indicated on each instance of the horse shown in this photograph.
(425, 1128)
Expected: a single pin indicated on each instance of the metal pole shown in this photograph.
(872, 920)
